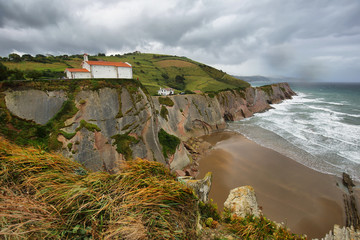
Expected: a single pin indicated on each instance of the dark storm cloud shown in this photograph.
(278, 37)
(30, 14)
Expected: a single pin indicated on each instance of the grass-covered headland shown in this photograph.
(152, 70)
(46, 196)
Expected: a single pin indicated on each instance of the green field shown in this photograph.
(152, 70)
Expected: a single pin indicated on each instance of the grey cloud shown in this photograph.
(31, 14)
(284, 36)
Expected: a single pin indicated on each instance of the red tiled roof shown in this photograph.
(103, 63)
(77, 70)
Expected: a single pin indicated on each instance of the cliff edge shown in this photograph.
(105, 122)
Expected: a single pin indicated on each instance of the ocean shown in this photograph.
(319, 128)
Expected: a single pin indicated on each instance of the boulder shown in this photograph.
(242, 201)
(348, 183)
(201, 187)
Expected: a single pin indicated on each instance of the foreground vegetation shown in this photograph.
(46, 196)
(152, 70)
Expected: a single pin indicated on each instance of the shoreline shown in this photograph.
(306, 201)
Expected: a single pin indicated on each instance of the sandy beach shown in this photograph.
(307, 201)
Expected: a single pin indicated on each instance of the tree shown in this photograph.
(179, 79)
(33, 74)
(16, 74)
(27, 57)
(13, 57)
(40, 58)
(3, 72)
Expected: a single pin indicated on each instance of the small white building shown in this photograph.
(165, 91)
(72, 73)
(100, 69)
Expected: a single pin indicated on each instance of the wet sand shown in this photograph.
(307, 201)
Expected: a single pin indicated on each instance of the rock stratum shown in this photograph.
(113, 123)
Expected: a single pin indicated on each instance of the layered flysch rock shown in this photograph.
(242, 202)
(345, 233)
(114, 112)
(108, 114)
(38, 106)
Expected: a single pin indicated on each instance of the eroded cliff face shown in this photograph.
(116, 112)
(237, 105)
(114, 124)
(35, 105)
(196, 115)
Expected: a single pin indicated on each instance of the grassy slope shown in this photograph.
(46, 196)
(151, 68)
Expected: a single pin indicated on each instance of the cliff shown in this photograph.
(104, 123)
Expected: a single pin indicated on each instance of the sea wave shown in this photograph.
(311, 130)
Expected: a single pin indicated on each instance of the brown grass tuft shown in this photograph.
(175, 63)
(144, 201)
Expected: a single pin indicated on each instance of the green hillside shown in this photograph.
(153, 70)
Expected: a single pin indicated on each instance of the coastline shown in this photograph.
(306, 201)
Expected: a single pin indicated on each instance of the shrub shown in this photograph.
(46, 196)
(179, 79)
(168, 142)
(33, 74)
(3, 72)
(89, 126)
(68, 136)
(252, 227)
(123, 143)
(165, 76)
(211, 95)
(70, 145)
(164, 112)
(267, 89)
(209, 210)
(189, 92)
(166, 101)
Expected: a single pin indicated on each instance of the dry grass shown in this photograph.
(175, 63)
(22, 217)
(62, 200)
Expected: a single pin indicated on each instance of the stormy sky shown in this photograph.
(311, 40)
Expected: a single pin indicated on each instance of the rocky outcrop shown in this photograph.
(237, 105)
(121, 122)
(180, 159)
(35, 105)
(201, 187)
(114, 112)
(196, 115)
(191, 115)
(351, 208)
(345, 233)
(242, 202)
(352, 226)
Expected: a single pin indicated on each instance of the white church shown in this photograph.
(100, 69)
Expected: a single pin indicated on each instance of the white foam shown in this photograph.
(319, 128)
(334, 112)
(353, 156)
